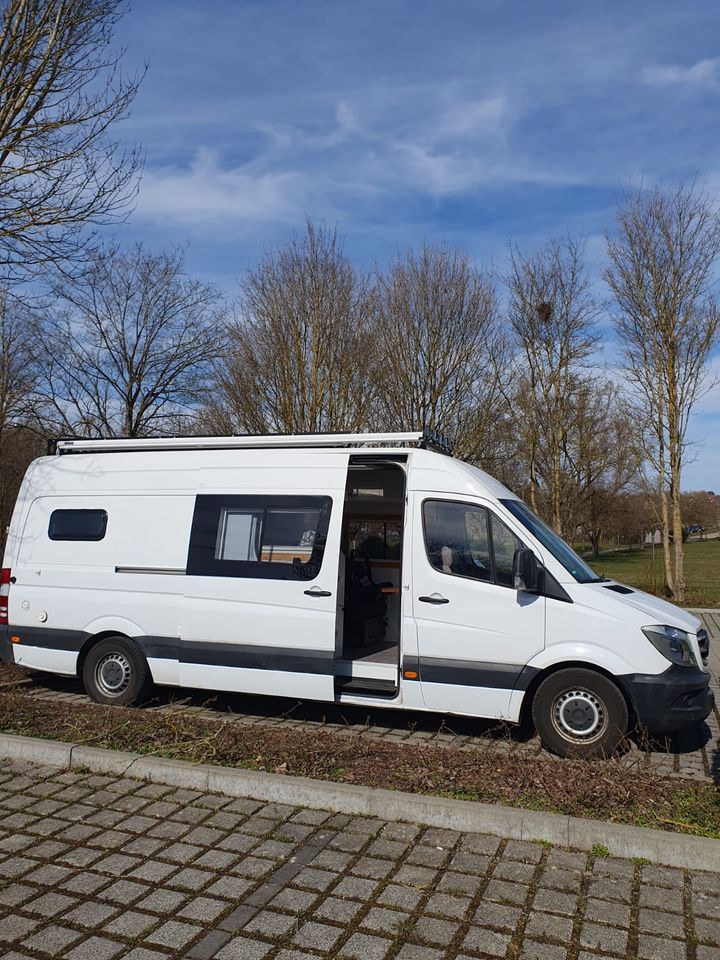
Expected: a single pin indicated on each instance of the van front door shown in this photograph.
(475, 633)
(261, 593)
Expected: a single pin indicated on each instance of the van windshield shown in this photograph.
(549, 539)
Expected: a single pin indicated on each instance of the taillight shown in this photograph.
(5, 580)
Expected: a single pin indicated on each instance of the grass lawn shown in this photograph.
(636, 568)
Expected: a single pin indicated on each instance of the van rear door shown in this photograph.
(261, 588)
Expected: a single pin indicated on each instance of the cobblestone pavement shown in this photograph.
(694, 753)
(99, 867)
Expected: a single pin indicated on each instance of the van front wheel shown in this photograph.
(579, 713)
(115, 671)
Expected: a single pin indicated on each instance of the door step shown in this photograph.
(365, 686)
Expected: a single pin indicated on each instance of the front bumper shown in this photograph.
(673, 700)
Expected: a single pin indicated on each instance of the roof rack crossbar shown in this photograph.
(425, 439)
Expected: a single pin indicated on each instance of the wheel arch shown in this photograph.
(532, 688)
(94, 640)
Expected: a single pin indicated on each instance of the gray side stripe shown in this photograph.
(500, 676)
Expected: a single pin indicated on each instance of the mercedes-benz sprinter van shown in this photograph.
(369, 569)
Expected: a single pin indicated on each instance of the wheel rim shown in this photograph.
(579, 716)
(113, 674)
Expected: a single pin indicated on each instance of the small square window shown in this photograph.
(77, 524)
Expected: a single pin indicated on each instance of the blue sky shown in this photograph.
(405, 121)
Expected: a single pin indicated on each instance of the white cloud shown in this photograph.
(703, 75)
(206, 192)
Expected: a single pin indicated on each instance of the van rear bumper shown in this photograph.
(670, 701)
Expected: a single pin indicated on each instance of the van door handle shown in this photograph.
(434, 599)
(316, 592)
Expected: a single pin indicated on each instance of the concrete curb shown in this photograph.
(668, 849)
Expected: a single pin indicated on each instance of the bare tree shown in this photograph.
(60, 92)
(301, 351)
(19, 350)
(662, 260)
(553, 316)
(130, 346)
(441, 354)
(603, 457)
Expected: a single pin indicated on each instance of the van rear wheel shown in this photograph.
(115, 671)
(579, 713)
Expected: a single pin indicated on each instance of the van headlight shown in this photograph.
(672, 643)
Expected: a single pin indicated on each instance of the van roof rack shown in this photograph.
(425, 439)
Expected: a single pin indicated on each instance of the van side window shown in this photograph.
(268, 538)
(77, 524)
(456, 538)
(505, 543)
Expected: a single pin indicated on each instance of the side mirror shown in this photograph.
(526, 571)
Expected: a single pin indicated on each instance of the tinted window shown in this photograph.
(456, 538)
(505, 543)
(282, 538)
(77, 524)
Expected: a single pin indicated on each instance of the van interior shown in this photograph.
(367, 653)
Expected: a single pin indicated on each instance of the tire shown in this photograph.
(580, 713)
(115, 671)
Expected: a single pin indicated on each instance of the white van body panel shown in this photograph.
(476, 654)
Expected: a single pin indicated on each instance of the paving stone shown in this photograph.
(91, 914)
(50, 904)
(173, 934)
(554, 901)
(523, 851)
(459, 883)
(703, 952)
(340, 911)
(660, 948)
(446, 905)
(490, 914)
(53, 939)
(707, 930)
(611, 889)
(356, 887)
(232, 888)
(362, 946)
(603, 911)
(372, 867)
(598, 937)
(548, 926)
(415, 876)
(412, 951)
(241, 948)
(204, 909)
(486, 941)
(661, 923)
(317, 936)
(505, 892)
(385, 921)
(512, 870)
(270, 924)
(14, 928)
(532, 950)
(123, 891)
(661, 899)
(96, 948)
(131, 924)
(295, 901)
(437, 932)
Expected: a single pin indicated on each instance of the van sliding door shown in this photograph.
(261, 591)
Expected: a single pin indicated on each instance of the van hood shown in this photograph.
(656, 609)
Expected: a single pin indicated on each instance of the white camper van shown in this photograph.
(368, 569)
